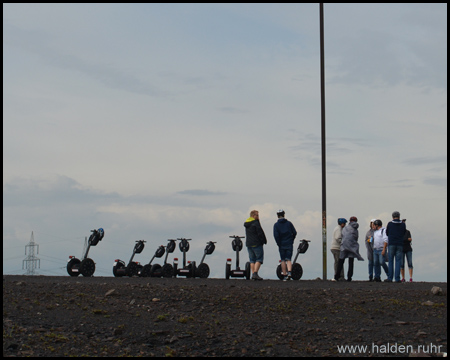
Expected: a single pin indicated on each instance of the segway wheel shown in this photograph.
(203, 271)
(155, 270)
(175, 270)
(145, 272)
(87, 267)
(227, 271)
(297, 271)
(247, 270)
(70, 265)
(193, 271)
(132, 269)
(116, 273)
(279, 272)
(139, 269)
(167, 271)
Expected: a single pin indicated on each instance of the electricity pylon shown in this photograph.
(31, 261)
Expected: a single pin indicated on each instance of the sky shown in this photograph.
(161, 121)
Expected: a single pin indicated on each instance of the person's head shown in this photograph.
(372, 225)
(254, 214)
(342, 222)
(353, 219)
(378, 224)
(280, 213)
(396, 215)
(404, 220)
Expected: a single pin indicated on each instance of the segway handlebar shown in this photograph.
(183, 239)
(235, 236)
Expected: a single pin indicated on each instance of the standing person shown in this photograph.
(349, 248)
(369, 247)
(284, 233)
(407, 252)
(395, 231)
(379, 240)
(255, 240)
(336, 245)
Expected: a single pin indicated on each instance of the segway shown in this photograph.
(297, 270)
(188, 269)
(132, 269)
(167, 269)
(86, 266)
(146, 269)
(202, 270)
(237, 245)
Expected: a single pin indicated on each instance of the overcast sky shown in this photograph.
(159, 121)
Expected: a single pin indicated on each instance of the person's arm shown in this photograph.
(384, 248)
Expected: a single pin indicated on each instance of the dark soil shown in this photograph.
(107, 316)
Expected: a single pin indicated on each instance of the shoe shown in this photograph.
(410, 280)
(349, 279)
(403, 280)
(289, 275)
(285, 278)
(333, 279)
(377, 280)
(387, 280)
(256, 277)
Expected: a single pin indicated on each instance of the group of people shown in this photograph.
(391, 244)
(284, 233)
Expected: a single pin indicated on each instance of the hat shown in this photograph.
(354, 219)
(372, 220)
(280, 212)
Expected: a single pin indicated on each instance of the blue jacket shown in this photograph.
(284, 233)
(395, 231)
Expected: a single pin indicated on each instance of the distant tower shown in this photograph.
(31, 261)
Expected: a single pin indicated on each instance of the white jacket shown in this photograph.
(337, 238)
(379, 238)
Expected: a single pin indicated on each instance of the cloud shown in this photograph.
(426, 160)
(385, 55)
(309, 149)
(201, 193)
(441, 182)
(231, 110)
(40, 43)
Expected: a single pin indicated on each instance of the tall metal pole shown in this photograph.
(324, 184)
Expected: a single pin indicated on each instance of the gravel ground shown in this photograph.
(107, 316)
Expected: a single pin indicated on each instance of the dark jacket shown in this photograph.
(406, 243)
(395, 231)
(284, 233)
(254, 234)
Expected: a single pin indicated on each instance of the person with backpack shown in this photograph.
(380, 241)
